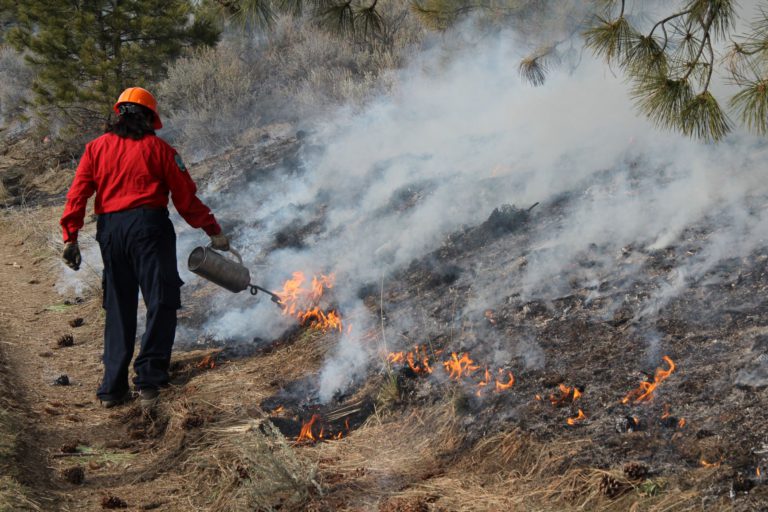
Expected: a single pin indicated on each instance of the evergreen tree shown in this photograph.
(87, 52)
(357, 19)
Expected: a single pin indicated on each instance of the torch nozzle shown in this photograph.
(272, 296)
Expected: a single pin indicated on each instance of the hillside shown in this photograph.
(458, 438)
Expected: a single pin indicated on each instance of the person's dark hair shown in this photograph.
(134, 121)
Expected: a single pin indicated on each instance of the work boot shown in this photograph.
(108, 404)
(148, 397)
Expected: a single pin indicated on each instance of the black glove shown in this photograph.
(71, 255)
(220, 242)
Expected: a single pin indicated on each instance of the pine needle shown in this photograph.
(752, 104)
(611, 39)
(703, 118)
(723, 14)
(662, 99)
(256, 13)
(339, 18)
(370, 20)
(645, 56)
(533, 71)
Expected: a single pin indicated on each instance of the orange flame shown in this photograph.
(484, 382)
(422, 365)
(459, 367)
(503, 386)
(681, 423)
(706, 464)
(579, 417)
(300, 302)
(208, 362)
(306, 433)
(417, 359)
(757, 472)
(308, 429)
(644, 392)
(566, 393)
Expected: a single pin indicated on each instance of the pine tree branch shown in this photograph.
(663, 24)
(706, 26)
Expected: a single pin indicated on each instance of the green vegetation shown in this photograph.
(86, 53)
(325, 52)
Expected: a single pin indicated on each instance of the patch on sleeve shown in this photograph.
(180, 163)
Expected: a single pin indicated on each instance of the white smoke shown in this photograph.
(462, 138)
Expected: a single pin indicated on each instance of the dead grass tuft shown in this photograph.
(515, 471)
(249, 467)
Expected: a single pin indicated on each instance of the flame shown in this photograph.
(538, 397)
(459, 367)
(503, 386)
(566, 392)
(706, 464)
(309, 428)
(484, 382)
(277, 410)
(208, 362)
(579, 417)
(306, 430)
(417, 359)
(757, 472)
(644, 392)
(422, 365)
(681, 423)
(300, 299)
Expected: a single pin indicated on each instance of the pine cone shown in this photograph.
(66, 340)
(635, 470)
(611, 487)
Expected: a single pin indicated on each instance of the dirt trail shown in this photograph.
(33, 317)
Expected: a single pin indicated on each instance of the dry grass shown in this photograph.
(248, 467)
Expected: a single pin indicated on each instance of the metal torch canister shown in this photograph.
(213, 266)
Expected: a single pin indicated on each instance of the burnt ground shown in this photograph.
(224, 436)
(715, 332)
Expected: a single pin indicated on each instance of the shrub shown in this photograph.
(295, 72)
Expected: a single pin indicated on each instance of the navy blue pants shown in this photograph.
(139, 251)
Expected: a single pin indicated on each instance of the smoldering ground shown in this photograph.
(460, 135)
(454, 141)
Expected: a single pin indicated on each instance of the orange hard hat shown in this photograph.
(140, 97)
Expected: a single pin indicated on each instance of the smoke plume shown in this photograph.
(459, 137)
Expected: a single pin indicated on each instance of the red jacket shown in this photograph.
(127, 173)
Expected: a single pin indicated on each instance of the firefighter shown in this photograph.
(132, 171)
